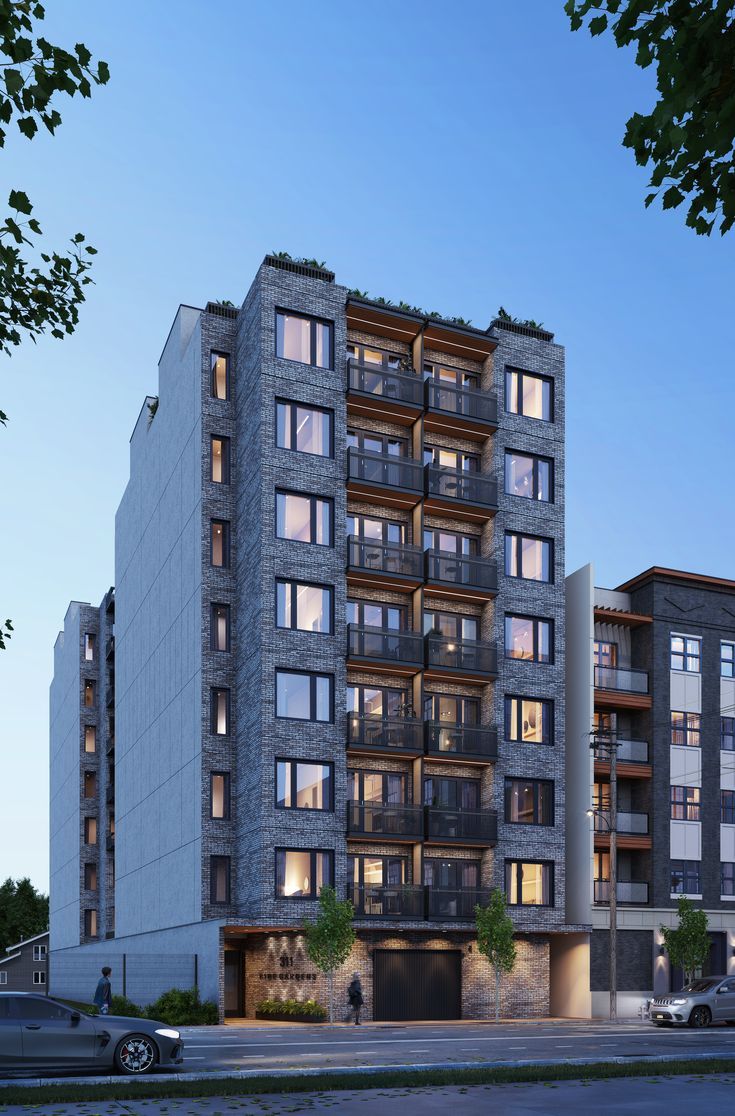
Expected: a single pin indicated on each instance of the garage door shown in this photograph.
(417, 984)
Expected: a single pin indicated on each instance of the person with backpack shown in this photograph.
(354, 995)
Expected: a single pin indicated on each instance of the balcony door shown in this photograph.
(372, 614)
(377, 443)
(378, 787)
(451, 542)
(377, 701)
(377, 530)
(452, 625)
(449, 793)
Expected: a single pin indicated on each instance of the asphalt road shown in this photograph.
(394, 1044)
(654, 1096)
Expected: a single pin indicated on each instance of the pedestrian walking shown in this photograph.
(103, 992)
(354, 995)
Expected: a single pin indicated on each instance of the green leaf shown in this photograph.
(13, 81)
(650, 198)
(672, 197)
(19, 201)
(598, 25)
(28, 126)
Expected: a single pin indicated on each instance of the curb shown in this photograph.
(368, 1071)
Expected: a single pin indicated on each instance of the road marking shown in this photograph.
(564, 1045)
(395, 1041)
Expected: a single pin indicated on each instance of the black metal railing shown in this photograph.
(627, 751)
(110, 842)
(626, 681)
(444, 739)
(384, 469)
(464, 487)
(461, 825)
(385, 644)
(110, 794)
(395, 559)
(388, 734)
(110, 647)
(472, 655)
(455, 903)
(367, 819)
(467, 402)
(397, 386)
(461, 569)
(399, 901)
(627, 891)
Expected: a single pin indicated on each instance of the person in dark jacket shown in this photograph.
(354, 995)
(103, 992)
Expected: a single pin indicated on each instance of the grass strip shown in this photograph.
(165, 1088)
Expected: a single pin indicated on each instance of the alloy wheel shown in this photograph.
(136, 1054)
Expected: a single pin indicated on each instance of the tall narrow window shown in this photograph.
(221, 375)
(90, 641)
(219, 879)
(307, 608)
(303, 428)
(529, 476)
(90, 784)
(220, 459)
(90, 831)
(527, 556)
(89, 693)
(221, 712)
(526, 637)
(219, 795)
(90, 738)
(304, 518)
(220, 627)
(90, 924)
(220, 543)
(529, 395)
(308, 340)
(90, 876)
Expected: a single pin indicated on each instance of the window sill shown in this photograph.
(684, 895)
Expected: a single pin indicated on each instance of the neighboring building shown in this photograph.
(25, 968)
(339, 655)
(651, 668)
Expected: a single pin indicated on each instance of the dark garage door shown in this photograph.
(417, 984)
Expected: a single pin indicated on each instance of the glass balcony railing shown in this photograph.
(627, 891)
(384, 645)
(623, 680)
(627, 822)
(464, 487)
(461, 570)
(367, 819)
(399, 901)
(627, 751)
(482, 406)
(473, 741)
(393, 559)
(472, 655)
(384, 469)
(455, 903)
(461, 825)
(390, 734)
(392, 384)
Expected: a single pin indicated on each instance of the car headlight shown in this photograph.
(678, 1003)
(166, 1032)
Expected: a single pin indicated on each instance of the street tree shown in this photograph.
(23, 912)
(330, 938)
(495, 939)
(687, 944)
(40, 289)
(689, 135)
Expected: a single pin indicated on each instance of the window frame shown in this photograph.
(727, 806)
(41, 975)
(727, 733)
(511, 370)
(90, 870)
(88, 819)
(225, 458)
(313, 852)
(507, 556)
(538, 787)
(312, 498)
(547, 705)
(226, 796)
(687, 874)
(727, 887)
(213, 355)
(313, 321)
(213, 627)
(40, 952)
(226, 554)
(536, 458)
(90, 647)
(536, 620)
(295, 584)
(91, 923)
(214, 693)
(517, 901)
(686, 729)
(215, 859)
(685, 654)
(312, 675)
(728, 661)
(689, 807)
(3, 976)
(293, 404)
(293, 780)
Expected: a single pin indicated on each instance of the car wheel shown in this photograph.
(700, 1017)
(136, 1054)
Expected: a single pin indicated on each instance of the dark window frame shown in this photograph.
(727, 878)
(689, 874)
(295, 583)
(312, 498)
(227, 795)
(727, 806)
(516, 901)
(87, 819)
(213, 354)
(91, 913)
(225, 458)
(536, 458)
(686, 729)
(226, 555)
(521, 372)
(727, 734)
(361, 772)
(213, 694)
(313, 320)
(312, 675)
(360, 435)
(546, 703)
(226, 862)
(539, 785)
(453, 780)
(329, 809)
(727, 661)
(534, 538)
(213, 627)
(685, 655)
(358, 858)
(90, 867)
(684, 807)
(313, 852)
(536, 621)
(360, 687)
(292, 424)
(460, 699)
(474, 540)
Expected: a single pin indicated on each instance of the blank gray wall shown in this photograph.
(580, 707)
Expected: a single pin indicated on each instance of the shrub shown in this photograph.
(181, 1007)
(121, 1005)
(291, 1007)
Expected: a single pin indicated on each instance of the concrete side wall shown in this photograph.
(579, 763)
(570, 976)
(158, 653)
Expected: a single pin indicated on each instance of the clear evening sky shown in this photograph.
(458, 156)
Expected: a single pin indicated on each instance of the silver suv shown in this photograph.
(704, 1001)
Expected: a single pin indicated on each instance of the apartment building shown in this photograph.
(651, 673)
(339, 656)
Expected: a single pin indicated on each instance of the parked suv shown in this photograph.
(704, 1001)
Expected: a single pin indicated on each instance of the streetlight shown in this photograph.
(610, 819)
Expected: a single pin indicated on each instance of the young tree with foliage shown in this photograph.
(689, 135)
(43, 294)
(688, 943)
(329, 940)
(495, 939)
(23, 912)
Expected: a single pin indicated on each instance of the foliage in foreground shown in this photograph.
(291, 1007)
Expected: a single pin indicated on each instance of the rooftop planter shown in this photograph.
(314, 269)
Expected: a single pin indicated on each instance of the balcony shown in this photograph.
(632, 757)
(468, 743)
(383, 565)
(401, 901)
(110, 794)
(396, 481)
(470, 659)
(393, 395)
(387, 736)
(110, 842)
(471, 496)
(626, 822)
(371, 821)
(621, 687)
(627, 891)
(456, 410)
(460, 576)
(384, 649)
(444, 903)
(478, 828)
(110, 647)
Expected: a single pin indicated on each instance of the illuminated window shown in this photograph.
(303, 786)
(220, 627)
(529, 883)
(220, 375)
(304, 607)
(529, 395)
(220, 459)
(90, 738)
(527, 637)
(529, 720)
(90, 641)
(219, 795)
(220, 543)
(685, 728)
(686, 653)
(685, 803)
(302, 428)
(90, 831)
(302, 873)
(307, 340)
(90, 923)
(221, 712)
(528, 557)
(89, 693)
(529, 476)
(303, 518)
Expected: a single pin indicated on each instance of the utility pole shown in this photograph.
(613, 880)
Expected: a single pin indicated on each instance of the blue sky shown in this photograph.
(458, 157)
